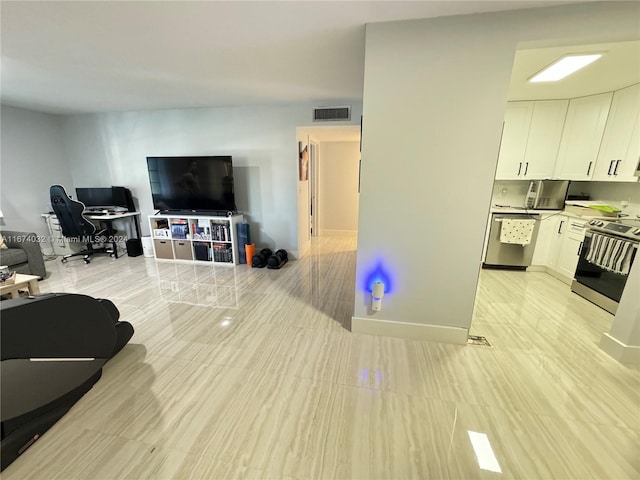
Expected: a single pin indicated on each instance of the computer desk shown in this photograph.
(109, 218)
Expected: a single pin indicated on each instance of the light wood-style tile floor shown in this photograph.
(249, 373)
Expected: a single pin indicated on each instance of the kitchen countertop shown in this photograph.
(507, 209)
(545, 213)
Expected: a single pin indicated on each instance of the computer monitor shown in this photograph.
(106, 197)
(95, 197)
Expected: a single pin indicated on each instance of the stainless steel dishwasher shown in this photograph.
(500, 254)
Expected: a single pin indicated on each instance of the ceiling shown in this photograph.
(619, 67)
(73, 57)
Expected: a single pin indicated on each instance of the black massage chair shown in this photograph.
(53, 348)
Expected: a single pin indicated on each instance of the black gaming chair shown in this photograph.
(53, 348)
(75, 226)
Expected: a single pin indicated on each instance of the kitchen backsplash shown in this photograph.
(513, 193)
(612, 193)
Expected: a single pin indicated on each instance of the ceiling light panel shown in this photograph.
(564, 67)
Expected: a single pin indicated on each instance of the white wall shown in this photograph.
(111, 149)
(434, 98)
(623, 341)
(338, 196)
(32, 160)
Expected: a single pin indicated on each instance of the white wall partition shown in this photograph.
(435, 92)
(32, 160)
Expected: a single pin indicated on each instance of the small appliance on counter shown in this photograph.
(546, 194)
(591, 208)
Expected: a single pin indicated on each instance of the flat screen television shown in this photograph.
(192, 184)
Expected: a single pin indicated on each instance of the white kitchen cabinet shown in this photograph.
(568, 255)
(547, 232)
(555, 226)
(544, 138)
(581, 136)
(568, 247)
(620, 147)
(531, 139)
(517, 120)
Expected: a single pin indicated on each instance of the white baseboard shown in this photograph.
(559, 276)
(618, 350)
(337, 233)
(432, 333)
(537, 268)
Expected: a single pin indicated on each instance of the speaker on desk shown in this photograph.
(122, 198)
(134, 247)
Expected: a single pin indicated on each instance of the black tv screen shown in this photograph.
(192, 183)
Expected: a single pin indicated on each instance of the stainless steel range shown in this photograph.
(606, 255)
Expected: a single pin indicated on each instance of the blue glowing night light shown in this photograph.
(378, 274)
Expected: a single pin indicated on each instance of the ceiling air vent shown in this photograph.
(331, 114)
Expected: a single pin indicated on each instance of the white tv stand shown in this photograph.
(195, 238)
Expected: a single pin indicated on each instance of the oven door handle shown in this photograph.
(634, 244)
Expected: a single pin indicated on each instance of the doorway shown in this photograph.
(537, 120)
(328, 199)
(313, 186)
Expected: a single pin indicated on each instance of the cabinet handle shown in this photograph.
(560, 226)
(589, 168)
(526, 168)
(615, 170)
(519, 167)
(610, 167)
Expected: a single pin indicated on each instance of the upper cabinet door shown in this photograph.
(581, 137)
(517, 120)
(544, 138)
(618, 156)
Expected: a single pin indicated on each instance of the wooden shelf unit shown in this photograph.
(195, 238)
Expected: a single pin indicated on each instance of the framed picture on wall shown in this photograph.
(303, 162)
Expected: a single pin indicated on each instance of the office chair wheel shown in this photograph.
(112, 255)
(63, 260)
(87, 261)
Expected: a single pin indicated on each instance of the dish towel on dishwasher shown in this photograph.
(610, 253)
(518, 231)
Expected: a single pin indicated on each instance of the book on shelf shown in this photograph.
(161, 224)
(179, 231)
(222, 253)
(221, 232)
(201, 230)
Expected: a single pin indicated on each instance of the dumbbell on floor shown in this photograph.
(278, 259)
(259, 260)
